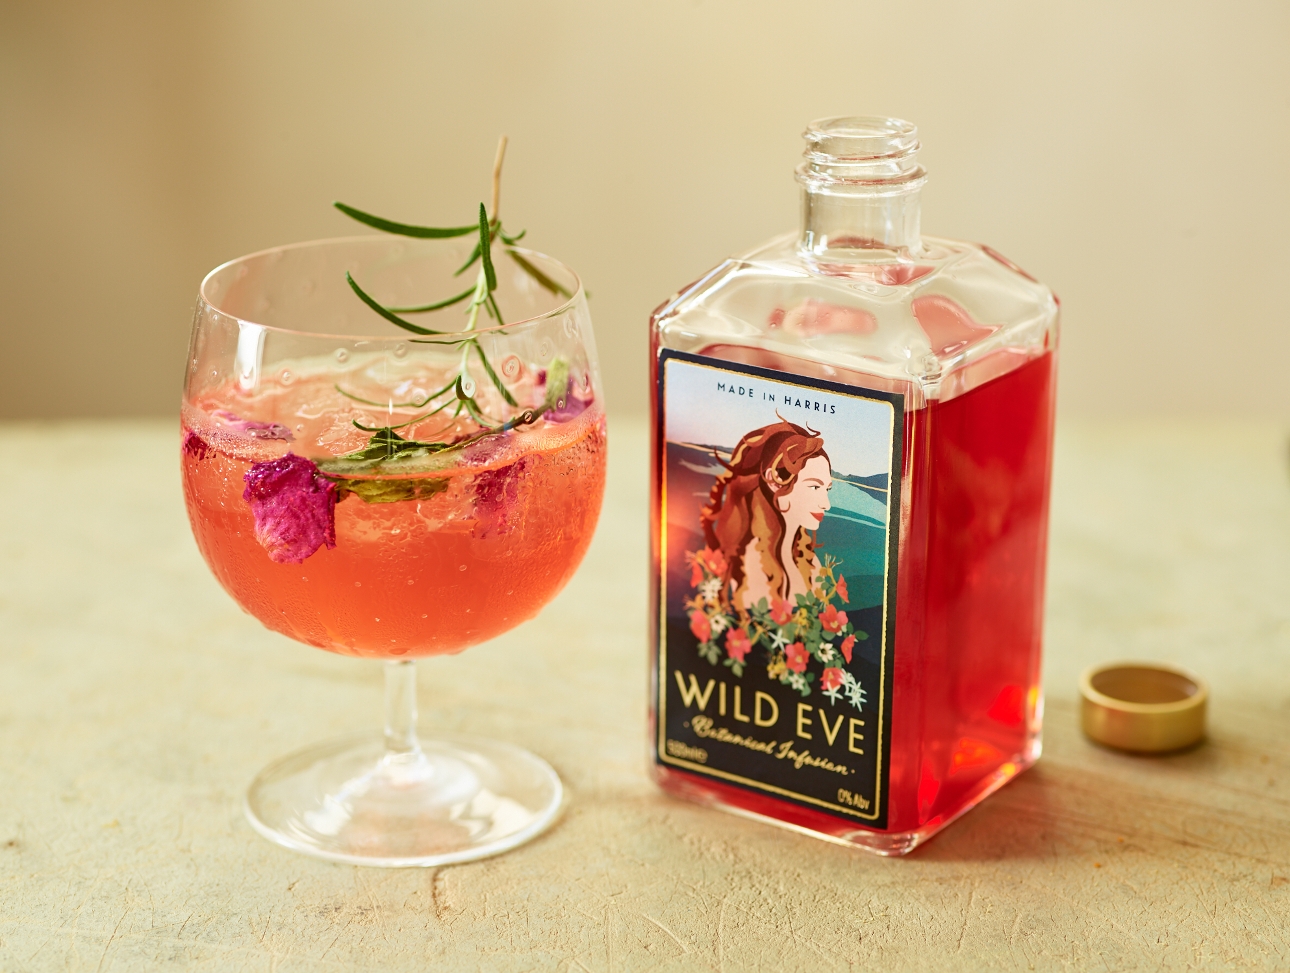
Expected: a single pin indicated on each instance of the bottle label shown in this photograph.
(780, 500)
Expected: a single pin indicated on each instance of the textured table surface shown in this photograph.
(136, 702)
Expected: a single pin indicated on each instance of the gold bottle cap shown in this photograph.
(1144, 707)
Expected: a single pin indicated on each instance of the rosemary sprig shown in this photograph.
(437, 306)
(492, 375)
(385, 442)
(404, 229)
(384, 311)
(540, 277)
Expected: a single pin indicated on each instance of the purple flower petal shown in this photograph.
(497, 493)
(196, 447)
(294, 508)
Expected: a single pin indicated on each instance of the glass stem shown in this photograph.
(401, 708)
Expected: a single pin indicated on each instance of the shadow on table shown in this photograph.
(1022, 820)
(1087, 798)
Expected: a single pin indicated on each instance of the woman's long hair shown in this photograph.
(742, 506)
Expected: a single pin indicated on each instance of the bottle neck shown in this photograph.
(861, 188)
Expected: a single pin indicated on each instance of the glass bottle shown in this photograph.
(849, 646)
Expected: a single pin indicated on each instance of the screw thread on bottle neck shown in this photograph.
(860, 189)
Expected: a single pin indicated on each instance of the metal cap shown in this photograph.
(1143, 707)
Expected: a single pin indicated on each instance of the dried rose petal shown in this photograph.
(497, 493)
(256, 430)
(294, 508)
(196, 447)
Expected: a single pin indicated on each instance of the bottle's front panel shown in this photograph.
(780, 500)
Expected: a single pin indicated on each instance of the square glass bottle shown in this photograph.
(851, 465)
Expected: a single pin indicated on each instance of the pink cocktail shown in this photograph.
(391, 497)
(492, 541)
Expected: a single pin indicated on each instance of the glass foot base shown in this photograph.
(453, 801)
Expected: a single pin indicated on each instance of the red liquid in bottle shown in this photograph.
(973, 535)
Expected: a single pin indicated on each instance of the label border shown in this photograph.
(896, 401)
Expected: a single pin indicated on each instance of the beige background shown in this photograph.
(1134, 156)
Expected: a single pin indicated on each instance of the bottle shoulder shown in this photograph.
(935, 323)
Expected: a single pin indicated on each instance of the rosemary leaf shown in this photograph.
(404, 229)
(472, 407)
(523, 419)
(385, 444)
(445, 338)
(401, 425)
(398, 405)
(383, 312)
(493, 376)
(540, 277)
(497, 311)
(486, 250)
(390, 491)
(434, 307)
(459, 387)
(474, 255)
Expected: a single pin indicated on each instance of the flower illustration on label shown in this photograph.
(847, 645)
(831, 679)
(737, 645)
(700, 626)
(761, 578)
(833, 620)
(796, 657)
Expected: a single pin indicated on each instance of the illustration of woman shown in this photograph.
(763, 512)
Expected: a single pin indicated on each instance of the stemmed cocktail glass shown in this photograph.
(392, 496)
